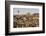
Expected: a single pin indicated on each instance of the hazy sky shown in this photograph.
(25, 10)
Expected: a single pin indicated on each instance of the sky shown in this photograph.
(25, 10)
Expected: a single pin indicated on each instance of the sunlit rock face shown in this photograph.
(26, 20)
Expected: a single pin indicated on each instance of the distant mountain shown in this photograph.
(36, 14)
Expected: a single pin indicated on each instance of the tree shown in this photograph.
(18, 11)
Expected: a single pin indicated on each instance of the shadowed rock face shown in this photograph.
(26, 20)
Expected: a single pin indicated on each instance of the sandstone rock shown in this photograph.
(26, 20)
